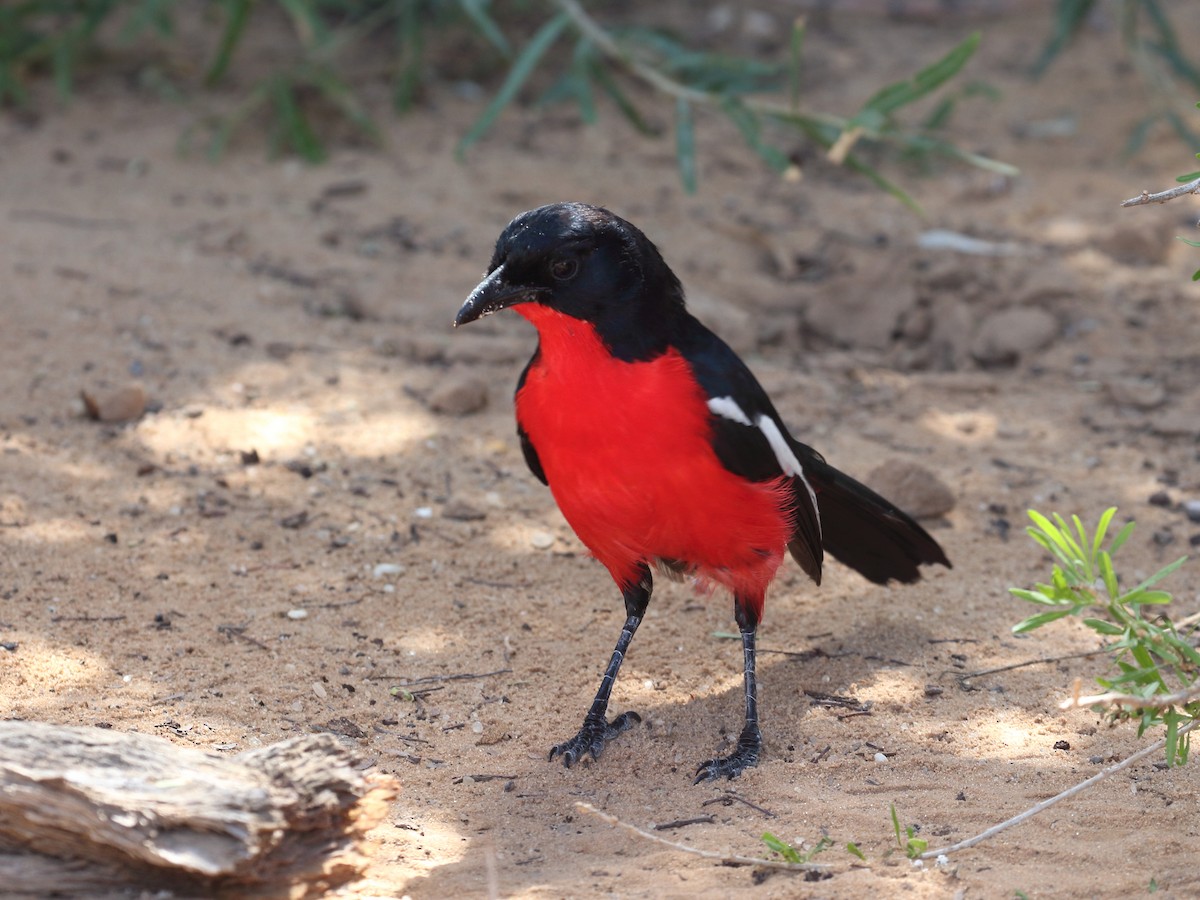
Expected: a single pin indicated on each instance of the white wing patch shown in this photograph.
(728, 408)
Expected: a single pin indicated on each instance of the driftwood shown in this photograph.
(91, 812)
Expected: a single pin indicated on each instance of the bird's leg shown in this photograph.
(749, 744)
(597, 730)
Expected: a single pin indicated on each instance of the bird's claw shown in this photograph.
(592, 737)
(743, 757)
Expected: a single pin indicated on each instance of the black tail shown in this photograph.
(865, 531)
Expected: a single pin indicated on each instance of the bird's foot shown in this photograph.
(592, 737)
(744, 756)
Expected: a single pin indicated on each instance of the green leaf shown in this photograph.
(1109, 576)
(892, 97)
(1103, 626)
(1186, 241)
(1121, 538)
(1190, 176)
(1034, 597)
(237, 14)
(1159, 575)
(784, 849)
(796, 52)
(1150, 597)
(685, 144)
(747, 123)
(853, 849)
(1039, 620)
(476, 11)
(1102, 529)
(521, 69)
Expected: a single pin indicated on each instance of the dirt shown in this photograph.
(322, 520)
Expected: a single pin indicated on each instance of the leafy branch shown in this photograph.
(1156, 678)
(733, 87)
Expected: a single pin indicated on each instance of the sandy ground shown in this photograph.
(290, 326)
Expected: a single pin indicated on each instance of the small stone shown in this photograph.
(880, 758)
(462, 512)
(122, 405)
(459, 394)
(934, 690)
(1191, 509)
(423, 512)
(384, 569)
(913, 488)
(541, 540)
(1004, 337)
(319, 690)
(1141, 244)
(1140, 393)
(1160, 498)
(297, 613)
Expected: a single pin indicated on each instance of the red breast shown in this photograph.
(626, 449)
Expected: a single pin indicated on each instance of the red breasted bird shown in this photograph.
(662, 449)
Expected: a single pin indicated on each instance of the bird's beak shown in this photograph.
(492, 295)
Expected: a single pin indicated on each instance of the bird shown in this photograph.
(663, 451)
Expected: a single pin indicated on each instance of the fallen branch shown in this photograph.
(1046, 804)
(1192, 187)
(723, 858)
(84, 809)
(1131, 701)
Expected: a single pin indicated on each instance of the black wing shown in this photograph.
(740, 439)
(527, 448)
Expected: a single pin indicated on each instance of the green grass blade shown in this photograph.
(1039, 620)
(517, 76)
(1068, 19)
(854, 164)
(685, 144)
(621, 99)
(1158, 576)
(237, 14)
(476, 11)
(295, 129)
(795, 55)
(784, 849)
(929, 79)
(1102, 530)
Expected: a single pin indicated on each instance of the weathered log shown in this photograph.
(87, 810)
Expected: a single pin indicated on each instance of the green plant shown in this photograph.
(1149, 37)
(317, 71)
(791, 854)
(908, 842)
(1157, 668)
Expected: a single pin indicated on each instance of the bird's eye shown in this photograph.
(564, 268)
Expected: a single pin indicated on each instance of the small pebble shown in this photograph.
(880, 757)
(542, 540)
(297, 613)
(477, 727)
(383, 569)
(423, 512)
(121, 405)
(319, 690)
(1192, 508)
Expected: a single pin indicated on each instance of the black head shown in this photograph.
(587, 263)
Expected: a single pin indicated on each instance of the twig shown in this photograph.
(463, 676)
(1069, 792)
(1192, 187)
(239, 631)
(723, 858)
(729, 796)
(1131, 701)
(710, 819)
(967, 676)
(86, 618)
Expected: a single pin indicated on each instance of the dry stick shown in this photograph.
(967, 676)
(1046, 804)
(1131, 701)
(1192, 187)
(723, 858)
